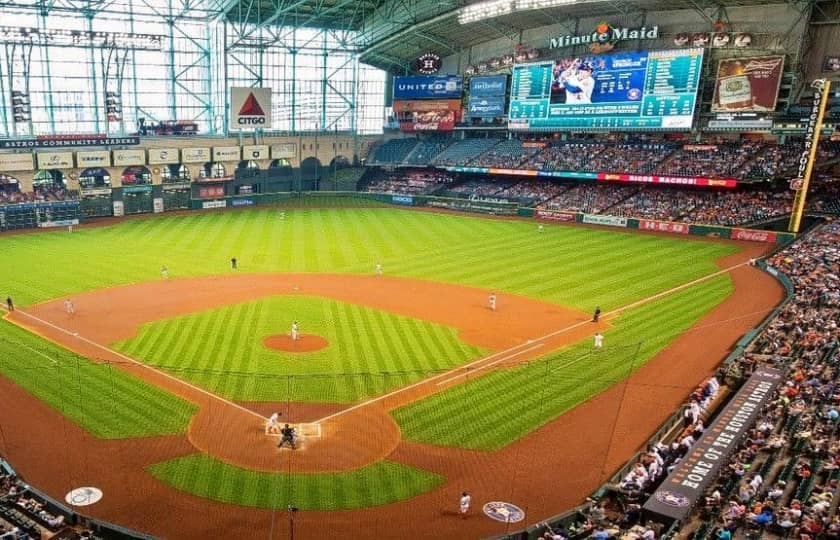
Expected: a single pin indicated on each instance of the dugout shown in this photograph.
(96, 193)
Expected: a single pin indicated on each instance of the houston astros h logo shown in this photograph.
(251, 112)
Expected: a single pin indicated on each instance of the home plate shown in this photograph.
(83, 496)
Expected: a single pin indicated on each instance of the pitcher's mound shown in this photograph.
(304, 343)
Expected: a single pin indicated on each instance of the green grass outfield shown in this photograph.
(386, 351)
(573, 266)
(100, 398)
(499, 407)
(379, 483)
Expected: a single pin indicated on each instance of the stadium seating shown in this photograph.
(426, 151)
(461, 152)
(393, 151)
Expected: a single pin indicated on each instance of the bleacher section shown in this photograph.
(461, 152)
(393, 151)
(425, 151)
(506, 154)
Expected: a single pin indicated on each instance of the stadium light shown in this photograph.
(495, 8)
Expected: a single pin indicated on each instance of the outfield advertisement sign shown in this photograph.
(16, 162)
(669, 180)
(242, 202)
(609, 221)
(55, 160)
(127, 158)
(255, 151)
(406, 200)
(428, 87)
(491, 85)
(64, 142)
(687, 483)
(101, 158)
(284, 151)
(486, 107)
(213, 204)
(555, 215)
(752, 235)
(226, 153)
(163, 156)
(250, 108)
(663, 226)
(195, 155)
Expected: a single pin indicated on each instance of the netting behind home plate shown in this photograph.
(188, 460)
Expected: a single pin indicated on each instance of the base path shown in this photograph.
(545, 472)
(303, 344)
(358, 435)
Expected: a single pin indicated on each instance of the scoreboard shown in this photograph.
(639, 90)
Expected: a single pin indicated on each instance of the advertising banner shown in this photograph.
(402, 199)
(54, 160)
(157, 205)
(687, 483)
(67, 142)
(663, 226)
(163, 156)
(16, 162)
(119, 208)
(748, 84)
(655, 89)
(101, 158)
(486, 107)
(429, 121)
(129, 157)
(428, 87)
(284, 151)
(555, 215)
(213, 204)
(226, 153)
(414, 105)
(250, 108)
(489, 86)
(255, 151)
(610, 221)
(195, 155)
(669, 180)
(753, 235)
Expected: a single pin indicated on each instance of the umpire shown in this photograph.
(287, 435)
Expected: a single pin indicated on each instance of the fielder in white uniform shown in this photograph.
(272, 426)
(294, 331)
(464, 504)
(599, 340)
(491, 301)
(378, 269)
(68, 307)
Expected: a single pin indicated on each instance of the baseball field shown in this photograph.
(405, 388)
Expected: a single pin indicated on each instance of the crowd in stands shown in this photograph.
(39, 194)
(25, 516)
(409, 182)
(710, 158)
(782, 480)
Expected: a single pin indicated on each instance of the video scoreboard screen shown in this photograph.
(638, 90)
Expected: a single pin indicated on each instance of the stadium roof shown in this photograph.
(391, 33)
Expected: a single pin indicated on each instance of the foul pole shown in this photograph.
(809, 152)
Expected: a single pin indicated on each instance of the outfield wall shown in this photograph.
(67, 212)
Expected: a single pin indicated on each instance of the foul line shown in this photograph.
(467, 370)
(141, 364)
(512, 351)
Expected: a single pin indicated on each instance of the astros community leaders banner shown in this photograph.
(748, 84)
(250, 108)
(687, 483)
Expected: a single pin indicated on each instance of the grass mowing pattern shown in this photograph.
(576, 267)
(500, 407)
(100, 398)
(380, 483)
(370, 351)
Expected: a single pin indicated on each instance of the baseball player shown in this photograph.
(579, 84)
(68, 307)
(295, 331)
(540, 228)
(9, 304)
(464, 504)
(378, 269)
(164, 272)
(597, 314)
(233, 263)
(272, 426)
(599, 340)
(491, 301)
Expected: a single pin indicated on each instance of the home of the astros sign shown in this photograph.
(611, 35)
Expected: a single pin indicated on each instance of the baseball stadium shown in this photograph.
(458, 269)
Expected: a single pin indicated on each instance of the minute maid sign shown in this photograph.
(604, 34)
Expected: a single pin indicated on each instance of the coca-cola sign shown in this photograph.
(752, 235)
